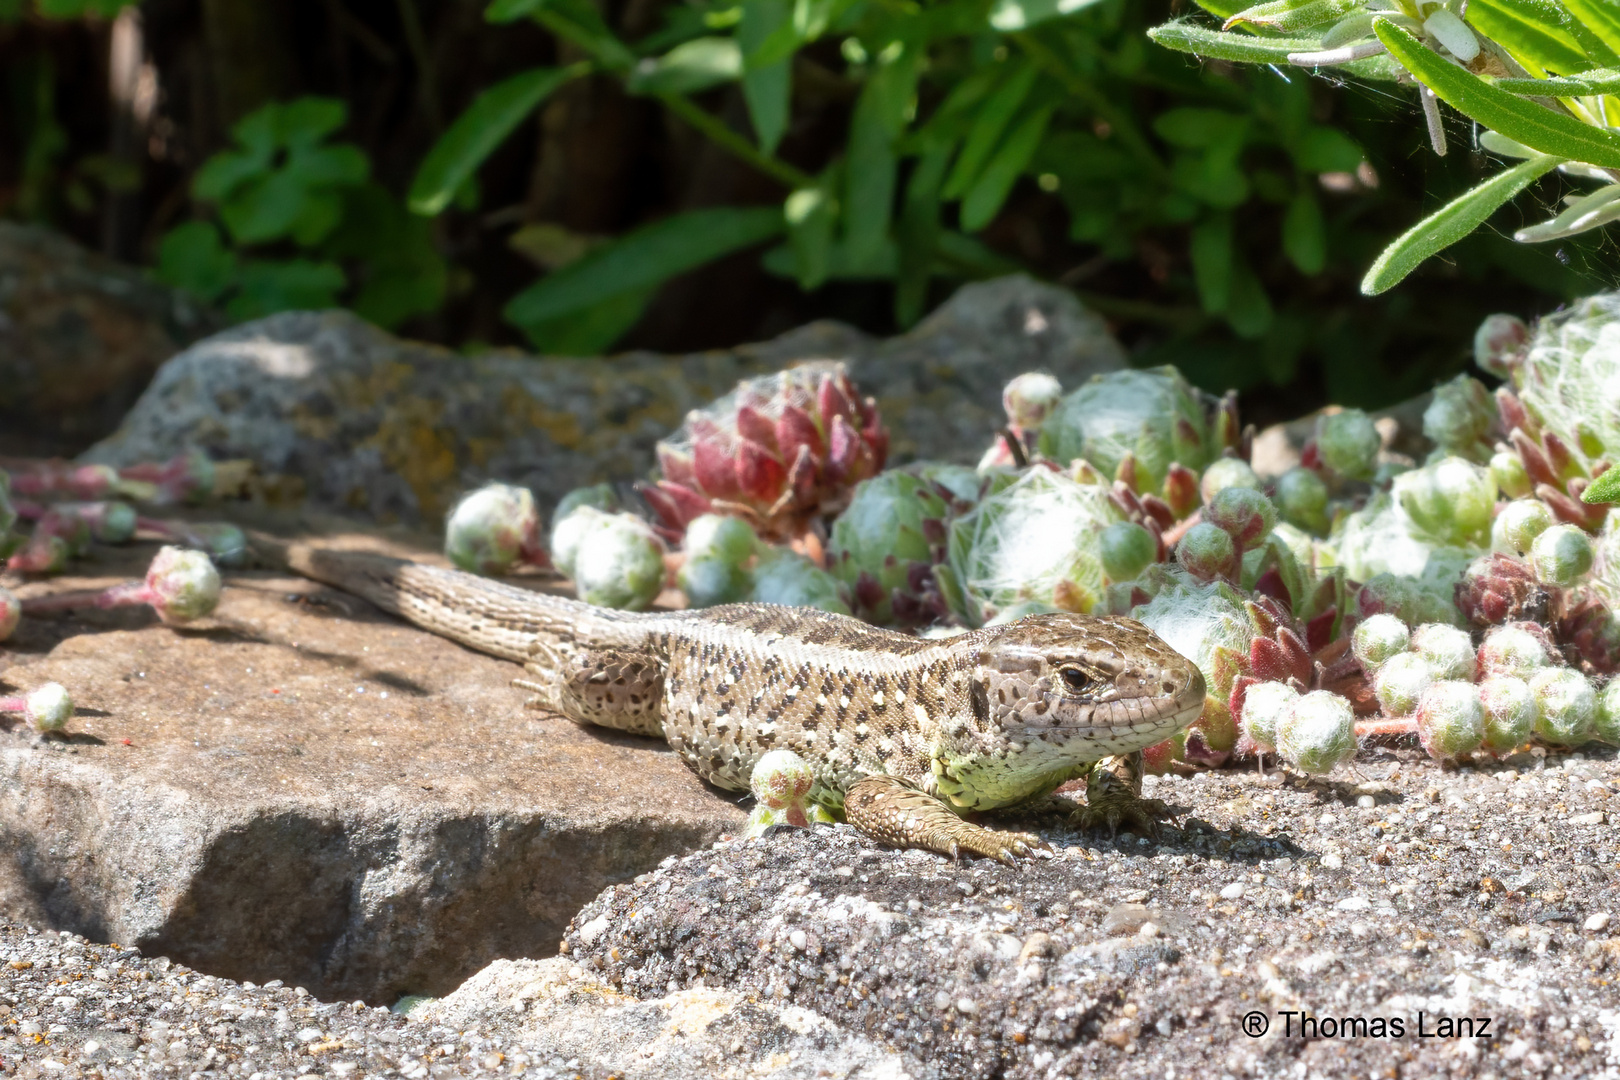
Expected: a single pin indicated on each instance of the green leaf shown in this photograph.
(992, 119)
(917, 236)
(266, 287)
(1533, 125)
(1451, 223)
(1010, 16)
(1323, 149)
(644, 259)
(225, 172)
(264, 209)
(768, 88)
(689, 67)
(1303, 235)
(343, 165)
(1532, 30)
(1600, 17)
(873, 162)
(493, 115)
(990, 190)
(590, 330)
(505, 11)
(1196, 128)
(1189, 37)
(1291, 16)
(1605, 489)
(305, 121)
(191, 257)
(1211, 249)
(811, 214)
(1248, 309)
(1596, 81)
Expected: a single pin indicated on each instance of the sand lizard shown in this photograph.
(904, 734)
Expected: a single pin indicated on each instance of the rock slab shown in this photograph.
(302, 788)
(359, 420)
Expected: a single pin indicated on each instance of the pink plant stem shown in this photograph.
(127, 595)
(1384, 726)
(13, 705)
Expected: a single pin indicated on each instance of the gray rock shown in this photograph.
(80, 335)
(300, 788)
(364, 421)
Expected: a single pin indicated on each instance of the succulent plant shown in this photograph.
(1225, 472)
(1317, 733)
(1561, 555)
(1029, 401)
(577, 514)
(1499, 588)
(618, 561)
(1518, 524)
(788, 578)
(1138, 422)
(1379, 637)
(10, 613)
(1207, 552)
(1302, 500)
(1510, 475)
(1517, 649)
(1510, 712)
(720, 538)
(46, 708)
(1448, 650)
(1127, 549)
(1263, 704)
(1606, 726)
(782, 782)
(1346, 444)
(710, 581)
(1499, 344)
(1038, 538)
(1401, 681)
(884, 546)
(779, 450)
(493, 529)
(1459, 418)
(1450, 719)
(1450, 500)
(1566, 706)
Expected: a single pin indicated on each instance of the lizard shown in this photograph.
(905, 734)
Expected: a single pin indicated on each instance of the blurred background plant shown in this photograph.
(575, 178)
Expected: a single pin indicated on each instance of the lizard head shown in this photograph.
(1106, 682)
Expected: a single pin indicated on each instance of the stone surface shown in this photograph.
(80, 336)
(360, 420)
(302, 788)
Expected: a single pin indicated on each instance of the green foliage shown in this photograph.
(959, 107)
(1536, 73)
(12, 10)
(304, 226)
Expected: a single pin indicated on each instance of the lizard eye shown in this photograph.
(1074, 680)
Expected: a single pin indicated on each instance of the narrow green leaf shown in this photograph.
(643, 259)
(990, 190)
(1010, 16)
(505, 11)
(1605, 489)
(768, 88)
(1601, 17)
(689, 67)
(592, 330)
(1222, 9)
(873, 162)
(1596, 81)
(1292, 16)
(1451, 223)
(1201, 41)
(993, 118)
(1248, 310)
(267, 286)
(492, 116)
(1211, 249)
(1304, 237)
(1523, 121)
(811, 214)
(1532, 30)
(917, 236)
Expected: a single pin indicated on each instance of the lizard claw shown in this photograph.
(1141, 815)
(889, 811)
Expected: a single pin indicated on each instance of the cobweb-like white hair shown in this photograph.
(1570, 377)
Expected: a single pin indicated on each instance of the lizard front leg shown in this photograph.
(1114, 797)
(893, 812)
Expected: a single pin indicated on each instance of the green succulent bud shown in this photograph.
(1302, 498)
(49, 708)
(1318, 733)
(787, 578)
(1510, 712)
(1512, 650)
(1450, 719)
(707, 582)
(568, 525)
(1459, 416)
(1127, 549)
(1245, 513)
(1377, 638)
(721, 538)
(1509, 473)
(619, 562)
(493, 529)
(1030, 399)
(1225, 472)
(1607, 724)
(1448, 650)
(1153, 416)
(1451, 499)
(1499, 344)
(1518, 524)
(1401, 681)
(1207, 552)
(1263, 704)
(181, 585)
(1348, 443)
(1566, 706)
(893, 523)
(1561, 555)
(10, 613)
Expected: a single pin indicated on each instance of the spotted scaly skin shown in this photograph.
(903, 734)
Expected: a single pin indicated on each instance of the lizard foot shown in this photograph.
(1114, 798)
(892, 812)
